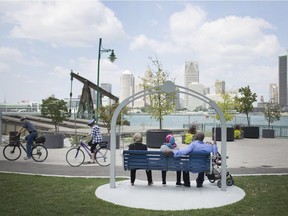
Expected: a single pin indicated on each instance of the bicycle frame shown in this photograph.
(86, 148)
(19, 143)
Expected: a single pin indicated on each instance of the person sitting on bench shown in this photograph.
(196, 146)
(138, 145)
(170, 145)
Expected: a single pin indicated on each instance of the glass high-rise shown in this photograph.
(283, 81)
(107, 87)
(126, 86)
(191, 75)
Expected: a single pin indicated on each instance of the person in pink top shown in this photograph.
(171, 145)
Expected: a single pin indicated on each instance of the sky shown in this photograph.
(238, 42)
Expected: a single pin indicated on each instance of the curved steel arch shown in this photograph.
(167, 87)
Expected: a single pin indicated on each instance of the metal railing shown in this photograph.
(280, 131)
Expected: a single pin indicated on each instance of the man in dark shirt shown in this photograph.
(27, 125)
(138, 145)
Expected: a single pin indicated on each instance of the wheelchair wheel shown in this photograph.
(229, 180)
(219, 183)
(211, 177)
(211, 180)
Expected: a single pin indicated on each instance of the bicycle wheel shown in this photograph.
(12, 152)
(39, 153)
(103, 156)
(75, 157)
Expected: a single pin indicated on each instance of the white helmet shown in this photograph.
(91, 122)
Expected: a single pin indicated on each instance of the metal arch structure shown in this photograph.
(168, 87)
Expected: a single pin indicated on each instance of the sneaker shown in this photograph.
(27, 158)
(179, 184)
(90, 162)
(132, 184)
(150, 183)
(199, 185)
(187, 185)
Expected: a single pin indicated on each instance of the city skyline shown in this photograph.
(41, 42)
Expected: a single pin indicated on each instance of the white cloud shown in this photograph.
(4, 67)
(8, 54)
(232, 36)
(185, 23)
(235, 49)
(64, 23)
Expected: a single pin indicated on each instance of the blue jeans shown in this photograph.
(29, 143)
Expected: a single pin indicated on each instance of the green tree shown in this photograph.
(244, 103)
(272, 113)
(55, 109)
(227, 105)
(106, 114)
(159, 104)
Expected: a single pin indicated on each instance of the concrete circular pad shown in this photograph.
(169, 197)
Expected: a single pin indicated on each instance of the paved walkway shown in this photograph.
(246, 157)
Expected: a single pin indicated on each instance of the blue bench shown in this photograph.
(156, 160)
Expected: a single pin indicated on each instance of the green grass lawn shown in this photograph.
(41, 195)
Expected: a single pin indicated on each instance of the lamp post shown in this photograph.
(112, 58)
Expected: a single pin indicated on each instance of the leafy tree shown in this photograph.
(159, 104)
(200, 108)
(272, 113)
(106, 114)
(227, 105)
(55, 109)
(244, 103)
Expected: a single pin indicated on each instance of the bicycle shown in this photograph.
(76, 156)
(13, 151)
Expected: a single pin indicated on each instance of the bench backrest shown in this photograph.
(156, 160)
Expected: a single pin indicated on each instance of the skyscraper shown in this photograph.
(191, 75)
(194, 102)
(107, 87)
(283, 81)
(126, 86)
(219, 87)
(273, 93)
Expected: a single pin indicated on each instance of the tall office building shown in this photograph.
(219, 87)
(140, 102)
(126, 86)
(273, 93)
(194, 102)
(191, 75)
(107, 87)
(283, 81)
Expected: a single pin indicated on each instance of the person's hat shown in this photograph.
(22, 119)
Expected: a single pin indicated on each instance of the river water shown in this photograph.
(183, 121)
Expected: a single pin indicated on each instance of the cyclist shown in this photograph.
(96, 138)
(27, 125)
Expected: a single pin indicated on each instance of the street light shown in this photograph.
(112, 58)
